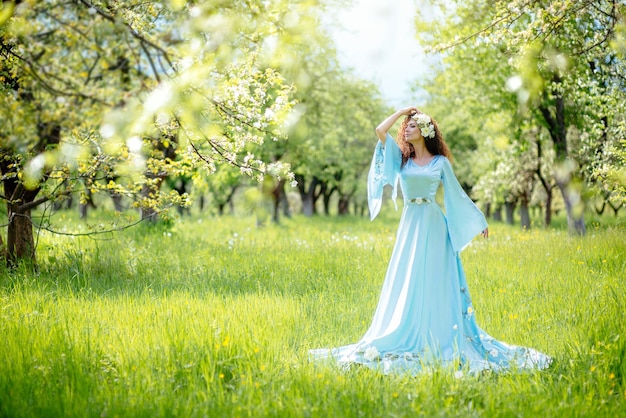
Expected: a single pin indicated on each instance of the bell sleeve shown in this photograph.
(384, 169)
(464, 219)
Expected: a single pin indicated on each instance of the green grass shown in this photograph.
(214, 317)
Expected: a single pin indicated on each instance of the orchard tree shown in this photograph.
(115, 96)
(567, 72)
(332, 146)
(479, 120)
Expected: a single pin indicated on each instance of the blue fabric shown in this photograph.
(384, 170)
(425, 316)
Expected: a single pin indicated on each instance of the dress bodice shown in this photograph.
(464, 219)
(420, 181)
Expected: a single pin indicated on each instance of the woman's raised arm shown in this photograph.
(383, 128)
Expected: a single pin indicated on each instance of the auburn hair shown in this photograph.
(436, 145)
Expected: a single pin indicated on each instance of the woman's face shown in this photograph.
(412, 132)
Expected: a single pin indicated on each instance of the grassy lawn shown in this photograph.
(214, 317)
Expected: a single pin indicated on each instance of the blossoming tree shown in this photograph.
(115, 96)
(568, 76)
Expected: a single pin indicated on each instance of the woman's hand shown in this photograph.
(410, 110)
(383, 128)
(485, 233)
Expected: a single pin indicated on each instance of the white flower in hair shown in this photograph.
(425, 124)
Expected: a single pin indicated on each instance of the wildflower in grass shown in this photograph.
(458, 374)
(371, 354)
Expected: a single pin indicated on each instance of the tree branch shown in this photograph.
(30, 68)
(132, 31)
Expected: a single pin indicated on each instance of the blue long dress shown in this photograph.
(425, 316)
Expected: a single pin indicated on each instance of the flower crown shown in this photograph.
(425, 124)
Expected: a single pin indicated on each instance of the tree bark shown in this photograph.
(615, 208)
(21, 201)
(547, 220)
(524, 214)
(280, 198)
(497, 213)
(343, 206)
(558, 132)
(308, 196)
(20, 241)
(327, 194)
(575, 223)
(509, 208)
(148, 191)
(83, 207)
(117, 202)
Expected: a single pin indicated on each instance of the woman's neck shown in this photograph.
(421, 152)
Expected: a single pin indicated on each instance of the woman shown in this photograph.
(425, 315)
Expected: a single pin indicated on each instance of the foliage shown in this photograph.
(559, 60)
(134, 325)
(116, 96)
(333, 144)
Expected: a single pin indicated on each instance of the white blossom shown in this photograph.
(371, 354)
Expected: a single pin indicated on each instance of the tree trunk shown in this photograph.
(547, 187)
(280, 198)
(547, 220)
(83, 207)
(117, 202)
(327, 204)
(231, 206)
(285, 202)
(148, 191)
(309, 196)
(575, 221)
(524, 215)
(558, 132)
(201, 202)
(21, 201)
(497, 213)
(327, 193)
(180, 185)
(308, 205)
(615, 208)
(509, 208)
(343, 206)
(20, 242)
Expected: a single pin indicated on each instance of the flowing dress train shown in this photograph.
(425, 316)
